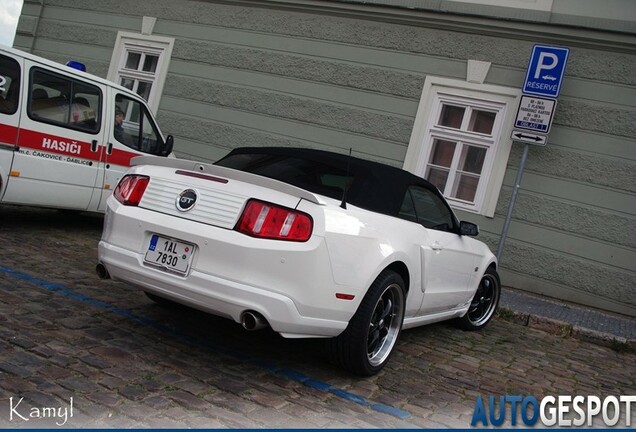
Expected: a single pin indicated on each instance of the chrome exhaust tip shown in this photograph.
(102, 273)
(251, 321)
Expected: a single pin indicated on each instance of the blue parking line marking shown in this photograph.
(318, 385)
(396, 412)
(294, 375)
(263, 364)
(349, 396)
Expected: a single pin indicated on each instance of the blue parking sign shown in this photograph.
(545, 70)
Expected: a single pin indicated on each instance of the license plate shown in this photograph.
(169, 254)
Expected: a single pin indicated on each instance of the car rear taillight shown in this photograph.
(130, 189)
(266, 220)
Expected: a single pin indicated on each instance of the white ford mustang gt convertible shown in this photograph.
(310, 243)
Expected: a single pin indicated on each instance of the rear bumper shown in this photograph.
(216, 295)
(290, 285)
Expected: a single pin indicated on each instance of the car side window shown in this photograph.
(9, 85)
(134, 127)
(407, 209)
(63, 101)
(430, 210)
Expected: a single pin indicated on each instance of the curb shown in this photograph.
(565, 329)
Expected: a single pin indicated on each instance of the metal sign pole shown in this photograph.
(513, 199)
(543, 79)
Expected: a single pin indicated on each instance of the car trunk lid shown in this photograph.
(221, 193)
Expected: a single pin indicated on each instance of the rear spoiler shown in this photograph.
(229, 173)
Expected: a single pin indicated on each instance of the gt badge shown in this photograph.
(186, 200)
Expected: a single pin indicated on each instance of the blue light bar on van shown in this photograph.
(76, 65)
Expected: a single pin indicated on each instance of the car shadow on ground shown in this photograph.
(34, 218)
(217, 335)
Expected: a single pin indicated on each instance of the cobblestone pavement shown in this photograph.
(128, 362)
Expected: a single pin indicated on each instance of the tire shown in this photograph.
(367, 343)
(484, 304)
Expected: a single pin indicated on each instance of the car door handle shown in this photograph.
(94, 146)
(109, 150)
(436, 246)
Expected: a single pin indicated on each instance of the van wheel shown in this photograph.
(367, 343)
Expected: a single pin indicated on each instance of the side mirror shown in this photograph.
(167, 146)
(468, 229)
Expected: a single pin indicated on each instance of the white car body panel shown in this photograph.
(292, 284)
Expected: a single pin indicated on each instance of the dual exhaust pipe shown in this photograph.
(101, 271)
(252, 320)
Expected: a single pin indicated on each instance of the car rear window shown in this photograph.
(311, 175)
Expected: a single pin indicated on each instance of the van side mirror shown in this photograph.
(468, 229)
(167, 146)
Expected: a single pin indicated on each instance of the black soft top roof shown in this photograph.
(376, 187)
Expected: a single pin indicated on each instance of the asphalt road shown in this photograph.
(83, 352)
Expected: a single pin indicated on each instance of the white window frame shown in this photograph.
(145, 44)
(504, 100)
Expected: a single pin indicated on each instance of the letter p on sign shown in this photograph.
(547, 61)
(545, 71)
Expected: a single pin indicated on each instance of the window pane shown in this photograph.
(465, 187)
(9, 85)
(150, 63)
(128, 83)
(431, 211)
(451, 116)
(482, 122)
(126, 129)
(65, 102)
(407, 209)
(472, 159)
(134, 127)
(50, 97)
(132, 61)
(149, 138)
(85, 107)
(336, 181)
(438, 177)
(442, 154)
(308, 174)
(143, 89)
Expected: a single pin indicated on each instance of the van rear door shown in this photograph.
(60, 139)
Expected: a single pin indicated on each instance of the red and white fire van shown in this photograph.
(66, 137)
